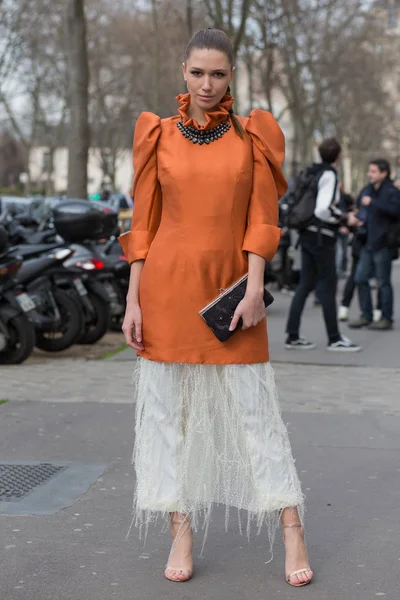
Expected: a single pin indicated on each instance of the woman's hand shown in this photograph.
(132, 326)
(251, 309)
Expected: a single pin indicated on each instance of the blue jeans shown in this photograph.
(380, 263)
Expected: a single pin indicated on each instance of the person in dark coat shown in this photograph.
(379, 212)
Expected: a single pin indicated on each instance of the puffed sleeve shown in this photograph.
(146, 189)
(262, 234)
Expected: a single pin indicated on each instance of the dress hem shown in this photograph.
(228, 361)
(278, 504)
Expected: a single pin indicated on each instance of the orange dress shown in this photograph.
(208, 427)
(198, 211)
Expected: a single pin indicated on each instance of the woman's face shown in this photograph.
(208, 73)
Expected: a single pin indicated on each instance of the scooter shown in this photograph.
(17, 334)
(111, 272)
(57, 317)
(82, 285)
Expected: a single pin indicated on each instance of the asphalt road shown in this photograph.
(349, 466)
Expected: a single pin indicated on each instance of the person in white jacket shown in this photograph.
(318, 256)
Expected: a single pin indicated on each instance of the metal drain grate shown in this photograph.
(16, 481)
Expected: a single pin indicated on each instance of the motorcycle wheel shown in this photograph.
(98, 327)
(21, 342)
(115, 321)
(69, 329)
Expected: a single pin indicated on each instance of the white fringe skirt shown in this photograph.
(209, 434)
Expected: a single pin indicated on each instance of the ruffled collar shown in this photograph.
(214, 117)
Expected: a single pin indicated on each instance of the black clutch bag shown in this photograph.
(218, 314)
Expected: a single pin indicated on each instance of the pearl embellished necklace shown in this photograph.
(203, 136)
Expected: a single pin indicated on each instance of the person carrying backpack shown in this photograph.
(313, 210)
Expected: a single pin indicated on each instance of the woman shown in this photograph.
(208, 427)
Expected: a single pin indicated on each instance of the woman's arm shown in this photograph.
(145, 219)
(252, 309)
(255, 282)
(132, 325)
(134, 282)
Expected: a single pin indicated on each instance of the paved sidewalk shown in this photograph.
(349, 467)
(301, 387)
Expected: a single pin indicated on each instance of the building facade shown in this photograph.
(48, 170)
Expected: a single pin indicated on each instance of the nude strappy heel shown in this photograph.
(184, 571)
(305, 570)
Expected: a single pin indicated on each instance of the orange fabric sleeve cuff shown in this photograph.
(262, 239)
(135, 244)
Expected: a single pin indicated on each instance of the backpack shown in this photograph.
(301, 200)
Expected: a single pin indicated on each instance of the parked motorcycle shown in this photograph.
(92, 280)
(24, 229)
(17, 335)
(57, 317)
(110, 272)
(82, 286)
(83, 224)
(95, 304)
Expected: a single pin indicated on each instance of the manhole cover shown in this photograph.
(16, 481)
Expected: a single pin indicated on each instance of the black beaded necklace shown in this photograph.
(203, 136)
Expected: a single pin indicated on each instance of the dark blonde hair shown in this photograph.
(215, 39)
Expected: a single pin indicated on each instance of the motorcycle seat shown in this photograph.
(31, 269)
(41, 237)
(33, 250)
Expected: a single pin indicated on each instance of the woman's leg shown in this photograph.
(296, 551)
(180, 562)
(271, 471)
(158, 448)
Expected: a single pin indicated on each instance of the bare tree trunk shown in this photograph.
(248, 59)
(222, 15)
(49, 184)
(189, 17)
(156, 60)
(215, 11)
(240, 32)
(78, 79)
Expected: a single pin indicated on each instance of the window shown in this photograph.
(392, 16)
(47, 165)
